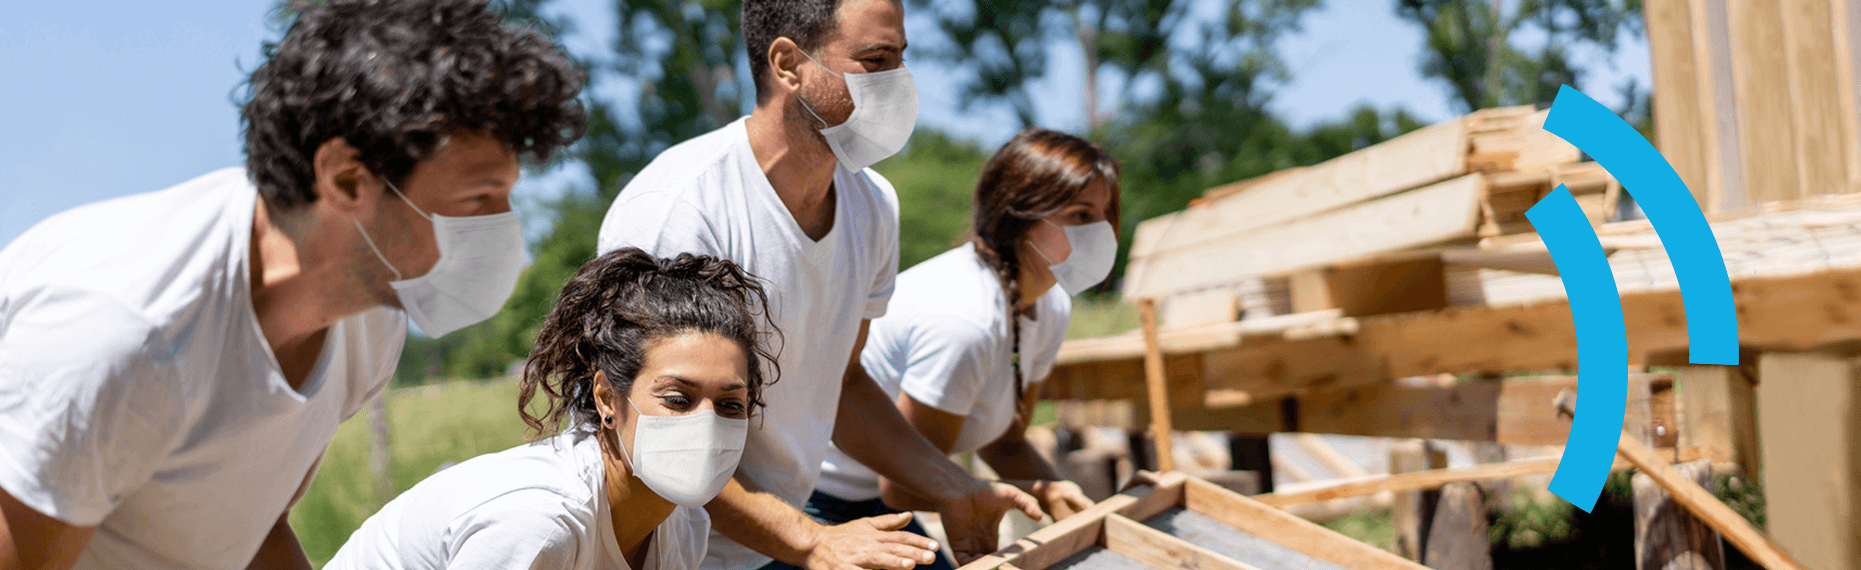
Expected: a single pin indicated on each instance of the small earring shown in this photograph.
(607, 421)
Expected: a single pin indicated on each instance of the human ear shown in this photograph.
(339, 175)
(785, 63)
(604, 399)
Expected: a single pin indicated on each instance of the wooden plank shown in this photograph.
(1055, 542)
(1808, 429)
(1682, 127)
(1328, 456)
(1433, 214)
(1701, 503)
(1719, 414)
(1202, 307)
(1431, 478)
(1166, 495)
(1815, 93)
(1413, 509)
(1760, 71)
(1288, 530)
(1666, 536)
(1508, 411)
(1712, 29)
(1457, 535)
(1309, 291)
(1428, 155)
(1159, 391)
(1157, 549)
(1365, 289)
(1843, 20)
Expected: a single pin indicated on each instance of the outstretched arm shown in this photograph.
(30, 540)
(870, 429)
(766, 524)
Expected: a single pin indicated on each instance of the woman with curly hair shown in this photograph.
(975, 330)
(648, 369)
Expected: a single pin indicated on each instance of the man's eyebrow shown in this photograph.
(881, 47)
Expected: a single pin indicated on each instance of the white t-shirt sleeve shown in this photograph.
(660, 222)
(523, 529)
(89, 403)
(945, 365)
(885, 274)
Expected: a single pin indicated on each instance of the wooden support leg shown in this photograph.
(1810, 430)
(1457, 536)
(1158, 384)
(1413, 510)
(1667, 537)
(1719, 415)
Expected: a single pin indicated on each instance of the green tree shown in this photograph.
(1475, 46)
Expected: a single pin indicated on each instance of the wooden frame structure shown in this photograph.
(1135, 526)
(1409, 258)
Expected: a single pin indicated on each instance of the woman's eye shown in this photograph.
(676, 401)
(733, 408)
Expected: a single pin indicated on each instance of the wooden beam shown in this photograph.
(1432, 154)
(1719, 414)
(1328, 456)
(1412, 481)
(1816, 97)
(1682, 91)
(1441, 212)
(1457, 536)
(1159, 550)
(1159, 391)
(1760, 69)
(1824, 308)
(1412, 510)
(1810, 433)
(1701, 503)
(1055, 542)
(1666, 536)
(1288, 530)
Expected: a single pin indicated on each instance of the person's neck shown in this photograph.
(635, 512)
(1034, 282)
(298, 291)
(797, 162)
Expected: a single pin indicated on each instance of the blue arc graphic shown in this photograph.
(1602, 346)
(1595, 305)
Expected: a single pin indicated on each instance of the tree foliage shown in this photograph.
(1479, 47)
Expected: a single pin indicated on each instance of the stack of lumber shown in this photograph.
(1444, 186)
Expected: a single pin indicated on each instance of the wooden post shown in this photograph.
(1702, 504)
(1667, 537)
(1808, 426)
(1413, 510)
(381, 448)
(1158, 385)
(1252, 452)
(1719, 416)
(1457, 536)
(1760, 71)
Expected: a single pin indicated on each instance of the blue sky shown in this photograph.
(106, 99)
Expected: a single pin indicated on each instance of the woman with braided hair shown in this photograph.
(974, 331)
(647, 370)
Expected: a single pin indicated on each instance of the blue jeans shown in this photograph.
(832, 510)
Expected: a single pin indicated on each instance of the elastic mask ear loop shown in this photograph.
(804, 102)
(1042, 254)
(410, 203)
(623, 446)
(371, 247)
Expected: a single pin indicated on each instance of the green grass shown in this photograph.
(1095, 317)
(430, 425)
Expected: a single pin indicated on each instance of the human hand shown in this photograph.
(971, 522)
(873, 543)
(1061, 498)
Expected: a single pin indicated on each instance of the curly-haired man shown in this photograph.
(173, 364)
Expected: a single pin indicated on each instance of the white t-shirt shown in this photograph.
(946, 343)
(538, 505)
(137, 392)
(708, 195)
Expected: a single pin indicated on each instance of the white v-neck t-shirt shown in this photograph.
(947, 344)
(708, 195)
(538, 505)
(137, 392)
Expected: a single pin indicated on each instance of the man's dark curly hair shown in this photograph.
(809, 23)
(393, 78)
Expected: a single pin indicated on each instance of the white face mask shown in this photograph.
(1095, 249)
(686, 459)
(480, 258)
(885, 110)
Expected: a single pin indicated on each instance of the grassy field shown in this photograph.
(431, 425)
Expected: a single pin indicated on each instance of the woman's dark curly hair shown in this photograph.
(616, 306)
(394, 78)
